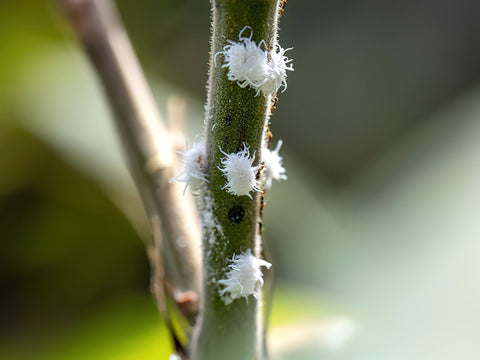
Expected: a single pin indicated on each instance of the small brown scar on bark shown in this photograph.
(273, 104)
(187, 302)
(262, 203)
(283, 4)
(260, 215)
(259, 172)
(268, 136)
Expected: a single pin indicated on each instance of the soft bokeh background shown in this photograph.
(377, 229)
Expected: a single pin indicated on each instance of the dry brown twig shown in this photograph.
(149, 150)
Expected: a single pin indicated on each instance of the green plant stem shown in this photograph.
(236, 117)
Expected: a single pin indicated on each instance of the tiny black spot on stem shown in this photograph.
(236, 214)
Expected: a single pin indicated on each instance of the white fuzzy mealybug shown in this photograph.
(273, 162)
(250, 65)
(278, 64)
(246, 62)
(193, 165)
(242, 277)
(241, 175)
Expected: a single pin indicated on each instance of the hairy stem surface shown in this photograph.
(236, 118)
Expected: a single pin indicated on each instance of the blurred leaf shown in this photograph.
(128, 328)
(64, 244)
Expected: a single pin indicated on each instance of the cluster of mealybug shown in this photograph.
(193, 172)
(251, 65)
(265, 71)
(242, 277)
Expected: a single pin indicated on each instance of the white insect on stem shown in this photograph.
(273, 162)
(241, 175)
(243, 276)
(251, 65)
(276, 77)
(193, 172)
(246, 62)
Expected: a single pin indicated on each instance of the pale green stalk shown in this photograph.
(235, 116)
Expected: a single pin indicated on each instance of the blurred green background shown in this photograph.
(376, 230)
